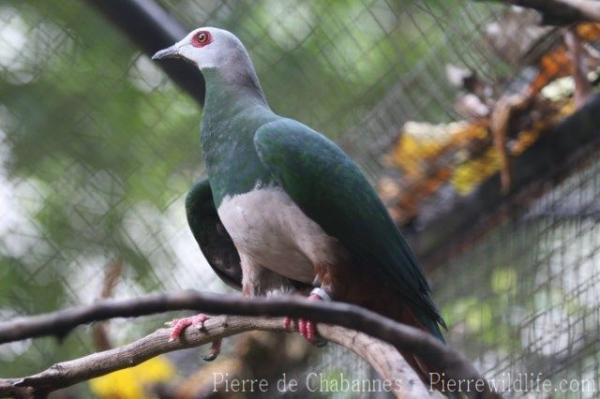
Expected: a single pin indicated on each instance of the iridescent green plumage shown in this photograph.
(277, 188)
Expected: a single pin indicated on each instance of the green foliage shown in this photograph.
(93, 132)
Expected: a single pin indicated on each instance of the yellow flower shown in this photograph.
(130, 383)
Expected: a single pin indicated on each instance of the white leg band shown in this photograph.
(321, 293)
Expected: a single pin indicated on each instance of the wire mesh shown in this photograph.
(99, 148)
(380, 60)
(522, 301)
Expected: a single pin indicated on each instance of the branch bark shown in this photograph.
(405, 338)
(559, 12)
(386, 361)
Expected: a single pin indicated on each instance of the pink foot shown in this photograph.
(307, 328)
(179, 326)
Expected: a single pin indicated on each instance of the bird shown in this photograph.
(284, 211)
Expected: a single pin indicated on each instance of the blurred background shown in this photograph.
(470, 118)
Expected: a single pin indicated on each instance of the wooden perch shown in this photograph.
(451, 363)
(563, 12)
(385, 360)
(583, 87)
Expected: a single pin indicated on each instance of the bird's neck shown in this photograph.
(232, 89)
(229, 97)
(233, 111)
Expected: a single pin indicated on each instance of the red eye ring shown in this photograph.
(201, 39)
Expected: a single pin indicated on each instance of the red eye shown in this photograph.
(201, 39)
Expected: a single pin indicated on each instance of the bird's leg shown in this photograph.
(259, 281)
(307, 328)
(178, 326)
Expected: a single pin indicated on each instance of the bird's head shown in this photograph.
(206, 47)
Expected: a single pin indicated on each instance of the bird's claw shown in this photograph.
(215, 350)
(307, 328)
(178, 326)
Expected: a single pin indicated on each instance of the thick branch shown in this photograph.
(386, 361)
(559, 12)
(403, 337)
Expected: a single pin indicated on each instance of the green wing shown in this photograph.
(214, 241)
(331, 190)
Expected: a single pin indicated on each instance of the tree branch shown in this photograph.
(404, 338)
(559, 12)
(386, 361)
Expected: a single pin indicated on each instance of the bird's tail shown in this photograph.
(428, 373)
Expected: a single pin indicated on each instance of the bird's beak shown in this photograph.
(169, 52)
